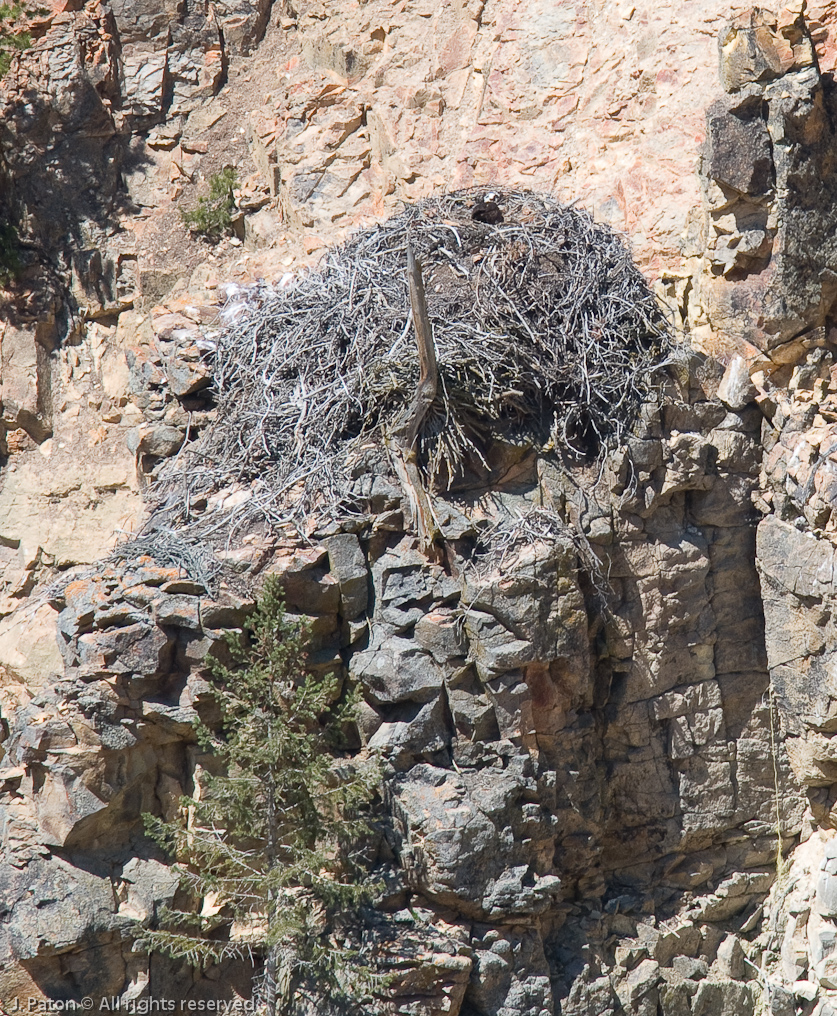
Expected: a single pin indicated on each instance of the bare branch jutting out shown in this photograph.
(406, 431)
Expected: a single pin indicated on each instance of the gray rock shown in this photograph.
(638, 990)
(510, 972)
(827, 894)
(348, 565)
(310, 589)
(535, 601)
(243, 22)
(186, 378)
(197, 43)
(141, 649)
(689, 967)
(731, 961)
(593, 996)
(512, 893)
(158, 441)
(144, 72)
(368, 720)
(724, 998)
(473, 714)
(783, 1002)
(178, 612)
(417, 730)
(459, 845)
(151, 885)
(510, 698)
(145, 19)
(442, 634)
(776, 296)
(52, 906)
(494, 648)
(680, 940)
(398, 671)
(675, 999)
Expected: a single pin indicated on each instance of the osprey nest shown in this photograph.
(545, 333)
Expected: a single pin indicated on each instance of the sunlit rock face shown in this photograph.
(597, 743)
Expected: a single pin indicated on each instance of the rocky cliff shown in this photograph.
(589, 809)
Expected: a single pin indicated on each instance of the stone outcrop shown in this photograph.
(538, 759)
(767, 268)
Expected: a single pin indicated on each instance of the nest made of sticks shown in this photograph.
(545, 333)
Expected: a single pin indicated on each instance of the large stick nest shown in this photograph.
(545, 331)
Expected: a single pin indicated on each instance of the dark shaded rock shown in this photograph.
(739, 153)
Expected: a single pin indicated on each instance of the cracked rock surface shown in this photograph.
(583, 807)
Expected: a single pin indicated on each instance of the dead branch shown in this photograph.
(428, 383)
(406, 432)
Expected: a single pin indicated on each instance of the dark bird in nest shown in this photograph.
(487, 210)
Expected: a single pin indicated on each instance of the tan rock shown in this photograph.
(71, 511)
(25, 382)
(28, 646)
(813, 758)
(18, 988)
(758, 46)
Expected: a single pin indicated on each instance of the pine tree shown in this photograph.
(270, 843)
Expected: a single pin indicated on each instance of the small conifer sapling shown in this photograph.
(270, 844)
(212, 217)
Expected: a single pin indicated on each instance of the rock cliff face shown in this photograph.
(588, 811)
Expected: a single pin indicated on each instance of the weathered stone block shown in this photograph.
(420, 729)
(145, 19)
(347, 563)
(756, 47)
(723, 998)
(827, 894)
(398, 671)
(738, 148)
(308, 587)
(441, 634)
(141, 649)
(178, 612)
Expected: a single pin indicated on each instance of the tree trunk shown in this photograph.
(270, 965)
(405, 433)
